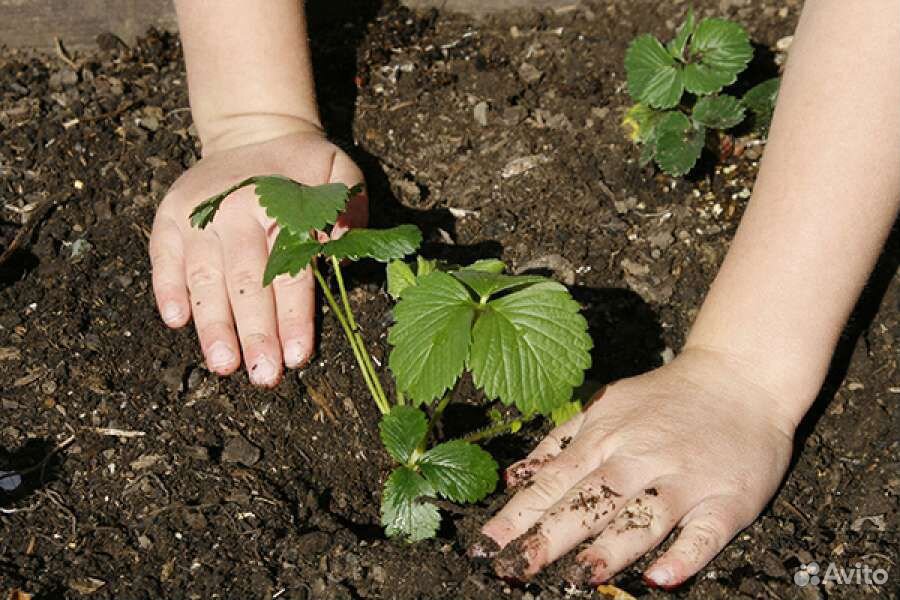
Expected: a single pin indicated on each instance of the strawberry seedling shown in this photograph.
(521, 338)
(678, 91)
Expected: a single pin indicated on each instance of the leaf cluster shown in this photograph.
(456, 470)
(300, 211)
(678, 89)
(521, 336)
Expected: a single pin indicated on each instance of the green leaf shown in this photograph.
(399, 277)
(671, 121)
(299, 207)
(431, 336)
(459, 471)
(760, 99)
(677, 153)
(679, 43)
(654, 77)
(530, 348)
(487, 265)
(383, 245)
(402, 430)
(424, 266)
(203, 213)
(486, 283)
(564, 412)
(402, 511)
(640, 120)
(718, 112)
(291, 253)
(718, 51)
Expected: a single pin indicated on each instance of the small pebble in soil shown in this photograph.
(239, 450)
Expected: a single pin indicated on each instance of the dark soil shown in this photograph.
(227, 491)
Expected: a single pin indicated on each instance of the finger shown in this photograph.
(167, 263)
(638, 528)
(521, 472)
(546, 488)
(356, 214)
(209, 302)
(245, 252)
(708, 528)
(295, 310)
(583, 511)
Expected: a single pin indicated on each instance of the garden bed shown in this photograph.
(157, 479)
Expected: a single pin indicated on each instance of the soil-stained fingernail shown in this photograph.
(587, 569)
(263, 372)
(484, 547)
(660, 577)
(172, 313)
(220, 355)
(295, 354)
(522, 557)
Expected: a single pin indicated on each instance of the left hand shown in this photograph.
(696, 444)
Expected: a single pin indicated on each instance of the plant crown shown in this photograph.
(678, 90)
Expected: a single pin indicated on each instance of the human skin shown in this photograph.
(253, 103)
(703, 443)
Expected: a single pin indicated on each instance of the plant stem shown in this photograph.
(342, 319)
(435, 417)
(373, 375)
(493, 430)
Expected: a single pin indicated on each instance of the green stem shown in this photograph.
(493, 430)
(373, 375)
(435, 417)
(336, 309)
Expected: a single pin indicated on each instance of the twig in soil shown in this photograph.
(317, 397)
(56, 499)
(63, 55)
(24, 509)
(112, 431)
(25, 232)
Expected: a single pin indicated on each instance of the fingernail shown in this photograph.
(485, 547)
(522, 558)
(263, 372)
(172, 312)
(220, 355)
(295, 354)
(660, 577)
(588, 570)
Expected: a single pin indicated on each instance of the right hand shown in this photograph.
(215, 275)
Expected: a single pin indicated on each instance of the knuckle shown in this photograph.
(548, 483)
(246, 281)
(255, 339)
(708, 535)
(203, 275)
(214, 330)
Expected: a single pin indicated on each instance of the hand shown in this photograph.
(215, 275)
(695, 444)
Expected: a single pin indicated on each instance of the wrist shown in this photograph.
(787, 389)
(218, 134)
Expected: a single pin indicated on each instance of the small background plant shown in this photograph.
(678, 91)
(521, 337)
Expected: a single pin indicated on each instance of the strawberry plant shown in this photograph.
(678, 91)
(521, 337)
